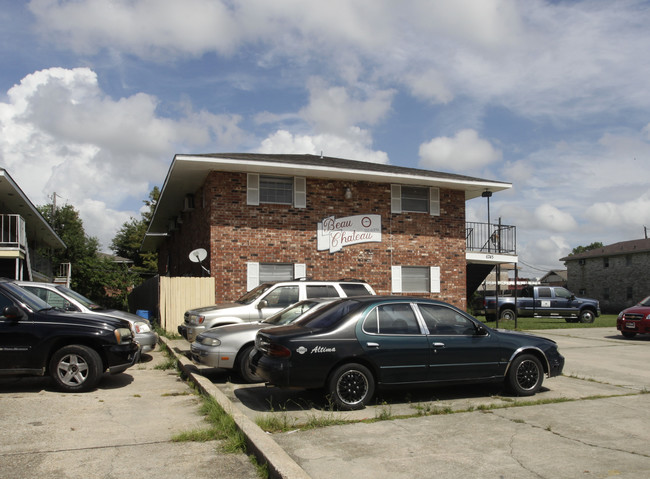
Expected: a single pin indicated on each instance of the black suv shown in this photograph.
(75, 349)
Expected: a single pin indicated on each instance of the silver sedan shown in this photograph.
(229, 346)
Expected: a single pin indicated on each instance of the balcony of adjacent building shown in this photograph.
(488, 245)
(18, 260)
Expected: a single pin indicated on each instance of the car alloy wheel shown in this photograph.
(526, 375)
(351, 386)
(76, 368)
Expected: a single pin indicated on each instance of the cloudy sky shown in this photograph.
(97, 96)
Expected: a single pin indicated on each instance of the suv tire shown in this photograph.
(76, 368)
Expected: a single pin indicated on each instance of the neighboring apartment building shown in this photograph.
(616, 274)
(262, 217)
(555, 277)
(23, 233)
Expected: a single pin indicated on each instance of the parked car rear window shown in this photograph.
(330, 315)
(322, 291)
(351, 289)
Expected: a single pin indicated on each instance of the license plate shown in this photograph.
(630, 325)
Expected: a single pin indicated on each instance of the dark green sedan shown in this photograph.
(354, 345)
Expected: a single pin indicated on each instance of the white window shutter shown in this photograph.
(434, 201)
(252, 276)
(299, 270)
(299, 192)
(253, 189)
(395, 198)
(397, 278)
(435, 279)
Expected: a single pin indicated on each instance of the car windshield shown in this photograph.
(330, 314)
(291, 313)
(645, 302)
(28, 298)
(79, 297)
(254, 293)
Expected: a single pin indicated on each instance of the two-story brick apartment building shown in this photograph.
(616, 274)
(262, 217)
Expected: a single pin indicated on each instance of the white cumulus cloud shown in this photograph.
(284, 142)
(464, 151)
(61, 133)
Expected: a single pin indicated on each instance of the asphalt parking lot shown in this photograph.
(591, 422)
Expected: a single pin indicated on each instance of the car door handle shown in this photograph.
(373, 345)
(438, 345)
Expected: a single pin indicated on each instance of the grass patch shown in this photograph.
(222, 428)
(523, 324)
(166, 334)
(279, 422)
(169, 363)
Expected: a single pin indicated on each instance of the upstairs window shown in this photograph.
(275, 189)
(279, 190)
(415, 199)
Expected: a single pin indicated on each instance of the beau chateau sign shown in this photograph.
(336, 233)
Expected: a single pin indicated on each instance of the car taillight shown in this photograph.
(278, 351)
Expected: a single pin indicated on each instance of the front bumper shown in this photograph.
(189, 331)
(633, 326)
(122, 356)
(555, 364)
(212, 356)
(147, 341)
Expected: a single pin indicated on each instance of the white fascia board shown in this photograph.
(253, 166)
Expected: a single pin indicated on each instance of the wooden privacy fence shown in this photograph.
(177, 295)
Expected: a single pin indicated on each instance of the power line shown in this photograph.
(534, 267)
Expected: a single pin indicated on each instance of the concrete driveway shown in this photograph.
(591, 422)
(123, 429)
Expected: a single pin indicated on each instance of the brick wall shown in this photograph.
(271, 233)
(610, 284)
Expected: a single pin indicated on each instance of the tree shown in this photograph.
(96, 277)
(128, 239)
(584, 249)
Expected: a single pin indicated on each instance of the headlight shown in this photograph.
(620, 315)
(208, 341)
(197, 319)
(123, 335)
(141, 327)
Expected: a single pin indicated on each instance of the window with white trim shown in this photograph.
(415, 199)
(415, 279)
(281, 190)
(258, 273)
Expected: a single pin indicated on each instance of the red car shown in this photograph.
(635, 320)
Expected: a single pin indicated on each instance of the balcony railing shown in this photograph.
(12, 232)
(491, 238)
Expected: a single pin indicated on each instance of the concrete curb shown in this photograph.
(265, 449)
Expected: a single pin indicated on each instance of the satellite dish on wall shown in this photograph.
(197, 256)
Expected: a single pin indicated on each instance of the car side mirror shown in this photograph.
(263, 304)
(12, 312)
(480, 330)
(572, 297)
